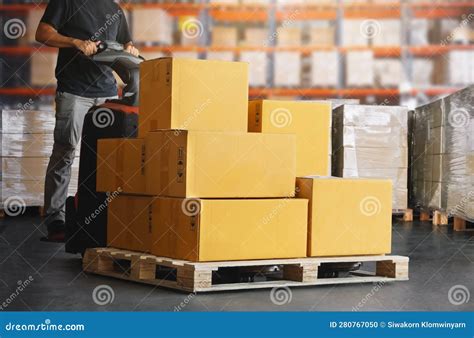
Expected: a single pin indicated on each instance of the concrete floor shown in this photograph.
(440, 259)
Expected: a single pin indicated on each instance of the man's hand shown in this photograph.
(87, 47)
(132, 50)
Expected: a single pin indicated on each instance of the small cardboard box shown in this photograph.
(229, 229)
(309, 121)
(220, 164)
(193, 95)
(347, 216)
(120, 165)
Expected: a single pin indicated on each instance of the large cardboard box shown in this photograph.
(229, 229)
(220, 164)
(129, 223)
(193, 95)
(120, 165)
(310, 121)
(347, 216)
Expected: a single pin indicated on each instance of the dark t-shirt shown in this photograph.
(95, 20)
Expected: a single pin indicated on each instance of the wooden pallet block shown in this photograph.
(460, 224)
(38, 209)
(198, 276)
(407, 214)
(440, 218)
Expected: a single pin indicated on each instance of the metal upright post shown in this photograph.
(272, 31)
(406, 56)
(339, 39)
(206, 22)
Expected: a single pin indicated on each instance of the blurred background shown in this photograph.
(384, 52)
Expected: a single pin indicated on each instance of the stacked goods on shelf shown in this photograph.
(198, 175)
(325, 69)
(360, 68)
(388, 72)
(443, 155)
(287, 69)
(371, 142)
(151, 26)
(27, 140)
(42, 67)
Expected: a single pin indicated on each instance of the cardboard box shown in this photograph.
(220, 165)
(310, 121)
(221, 230)
(224, 36)
(360, 68)
(325, 68)
(151, 25)
(258, 65)
(347, 216)
(193, 95)
(287, 69)
(120, 165)
(389, 33)
(288, 36)
(42, 68)
(129, 223)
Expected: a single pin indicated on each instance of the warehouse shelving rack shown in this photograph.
(272, 15)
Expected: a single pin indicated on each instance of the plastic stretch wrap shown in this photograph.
(372, 142)
(29, 168)
(28, 192)
(27, 122)
(443, 154)
(26, 143)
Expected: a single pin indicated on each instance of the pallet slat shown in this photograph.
(198, 276)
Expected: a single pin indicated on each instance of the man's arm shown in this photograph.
(49, 36)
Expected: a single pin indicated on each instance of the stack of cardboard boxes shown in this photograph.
(213, 177)
(26, 138)
(443, 155)
(371, 141)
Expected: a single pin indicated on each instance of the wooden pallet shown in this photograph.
(460, 224)
(437, 217)
(38, 210)
(407, 214)
(205, 277)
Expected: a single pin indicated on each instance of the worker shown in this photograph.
(76, 27)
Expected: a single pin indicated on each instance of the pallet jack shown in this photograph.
(86, 212)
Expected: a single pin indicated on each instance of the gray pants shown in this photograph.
(70, 112)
